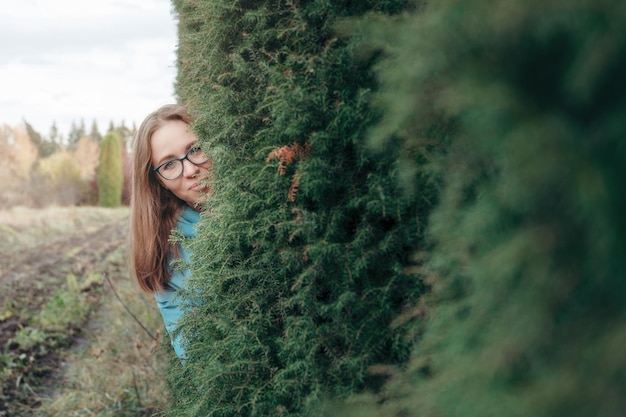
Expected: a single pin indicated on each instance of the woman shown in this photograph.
(167, 193)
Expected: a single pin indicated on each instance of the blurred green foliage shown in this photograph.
(527, 314)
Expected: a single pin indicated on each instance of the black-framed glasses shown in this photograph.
(173, 168)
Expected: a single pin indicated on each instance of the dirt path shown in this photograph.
(31, 271)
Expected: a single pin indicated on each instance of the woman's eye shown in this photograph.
(195, 150)
(168, 166)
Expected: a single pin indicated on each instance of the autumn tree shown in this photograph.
(86, 154)
(58, 181)
(18, 156)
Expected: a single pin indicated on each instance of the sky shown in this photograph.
(66, 60)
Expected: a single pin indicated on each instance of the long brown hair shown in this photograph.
(154, 209)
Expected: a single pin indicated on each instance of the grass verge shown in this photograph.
(68, 346)
(115, 368)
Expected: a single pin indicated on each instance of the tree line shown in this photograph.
(85, 169)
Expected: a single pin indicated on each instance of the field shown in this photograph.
(76, 336)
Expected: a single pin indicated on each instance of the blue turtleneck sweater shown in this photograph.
(167, 300)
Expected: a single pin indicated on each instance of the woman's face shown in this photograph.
(171, 141)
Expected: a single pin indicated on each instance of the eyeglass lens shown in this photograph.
(174, 168)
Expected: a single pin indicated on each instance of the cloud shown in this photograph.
(26, 37)
(68, 60)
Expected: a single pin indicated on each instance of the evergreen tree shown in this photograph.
(81, 129)
(301, 263)
(95, 133)
(73, 136)
(125, 134)
(110, 177)
(54, 133)
(45, 147)
(527, 314)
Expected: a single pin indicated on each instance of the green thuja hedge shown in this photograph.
(110, 177)
(527, 316)
(303, 287)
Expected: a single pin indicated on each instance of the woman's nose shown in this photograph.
(189, 169)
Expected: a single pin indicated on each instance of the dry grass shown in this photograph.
(116, 369)
(113, 368)
(24, 225)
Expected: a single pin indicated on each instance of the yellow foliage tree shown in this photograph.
(60, 176)
(17, 157)
(86, 155)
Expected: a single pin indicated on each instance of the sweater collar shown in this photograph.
(187, 221)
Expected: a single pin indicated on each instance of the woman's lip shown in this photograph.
(199, 188)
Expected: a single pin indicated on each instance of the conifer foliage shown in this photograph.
(527, 314)
(110, 176)
(302, 263)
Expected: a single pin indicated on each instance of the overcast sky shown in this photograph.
(67, 60)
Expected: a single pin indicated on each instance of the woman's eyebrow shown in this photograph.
(169, 157)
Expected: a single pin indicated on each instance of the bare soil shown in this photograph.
(31, 271)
